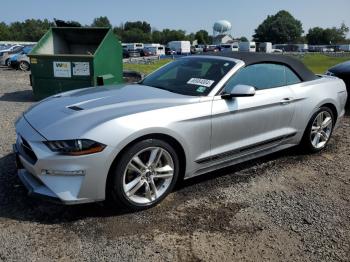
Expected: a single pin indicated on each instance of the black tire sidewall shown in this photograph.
(117, 192)
(26, 63)
(306, 141)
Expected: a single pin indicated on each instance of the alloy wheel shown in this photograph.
(148, 175)
(321, 129)
(24, 66)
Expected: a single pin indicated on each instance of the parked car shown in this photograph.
(23, 62)
(169, 51)
(125, 53)
(194, 115)
(343, 72)
(147, 52)
(6, 53)
(233, 47)
(155, 49)
(141, 52)
(211, 48)
(197, 49)
(2, 47)
(277, 51)
(20, 60)
(134, 53)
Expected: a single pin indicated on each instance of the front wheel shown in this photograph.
(145, 174)
(24, 66)
(319, 130)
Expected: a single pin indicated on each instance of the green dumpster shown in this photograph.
(68, 58)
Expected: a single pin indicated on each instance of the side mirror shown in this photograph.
(239, 91)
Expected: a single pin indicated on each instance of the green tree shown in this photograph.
(119, 31)
(157, 37)
(203, 37)
(74, 23)
(143, 26)
(173, 35)
(279, 28)
(136, 35)
(29, 30)
(101, 21)
(33, 29)
(243, 39)
(4, 32)
(321, 36)
(191, 37)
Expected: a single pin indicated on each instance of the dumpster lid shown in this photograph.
(70, 41)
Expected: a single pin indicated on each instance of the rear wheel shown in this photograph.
(319, 130)
(145, 174)
(8, 62)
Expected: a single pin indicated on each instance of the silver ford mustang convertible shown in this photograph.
(130, 143)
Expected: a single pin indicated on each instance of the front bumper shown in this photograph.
(38, 189)
(34, 160)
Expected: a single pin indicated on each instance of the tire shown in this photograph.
(8, 62)
(313, 129)
(135, 190)
(24, 66)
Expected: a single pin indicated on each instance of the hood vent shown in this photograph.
(75, 108)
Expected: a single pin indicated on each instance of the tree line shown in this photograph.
(280, 28)
(140, 31)
(283, 28)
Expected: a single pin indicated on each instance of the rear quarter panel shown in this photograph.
(311, 95)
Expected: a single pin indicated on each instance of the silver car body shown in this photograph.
(212, 132)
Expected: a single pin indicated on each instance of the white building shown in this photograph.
(222, 39)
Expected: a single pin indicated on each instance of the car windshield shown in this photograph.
(190, 76)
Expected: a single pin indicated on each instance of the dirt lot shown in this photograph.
(285, 207)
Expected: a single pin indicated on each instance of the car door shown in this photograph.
(247, 124)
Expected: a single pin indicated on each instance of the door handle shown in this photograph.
(286, 101)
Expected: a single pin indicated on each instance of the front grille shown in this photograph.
(28, 150)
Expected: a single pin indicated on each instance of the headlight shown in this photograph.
(76, 147)
(328, 73)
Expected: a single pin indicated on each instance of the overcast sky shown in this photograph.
(188, 15)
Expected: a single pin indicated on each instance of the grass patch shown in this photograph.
(319, 63)
(146, 68)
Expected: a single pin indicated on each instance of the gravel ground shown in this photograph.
(284, 207)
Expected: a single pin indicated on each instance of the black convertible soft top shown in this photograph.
(257, 58)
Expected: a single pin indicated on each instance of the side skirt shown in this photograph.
(241, 155)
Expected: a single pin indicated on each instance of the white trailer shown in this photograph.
(247, 47)
(302, 47)
(180, 47)
(265, 47)
(345, 48)
(234, 47)
(156, 49)
(132, 46)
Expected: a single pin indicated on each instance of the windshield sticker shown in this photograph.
(226, 64)
(201, 89)
(200, 82)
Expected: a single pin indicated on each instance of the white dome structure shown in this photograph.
(222, 26)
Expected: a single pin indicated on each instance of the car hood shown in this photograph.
(71, 114)
(343, 68)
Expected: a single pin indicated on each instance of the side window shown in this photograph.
(291, 77)
(261, 76)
